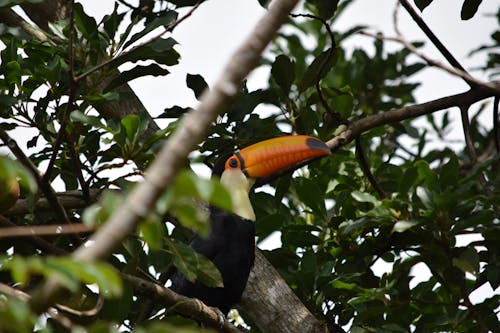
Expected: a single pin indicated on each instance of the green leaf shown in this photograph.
(100, 212)
(112, 22)
(300, 235)
(448, 175)
(197, 84)
(132, 125)
(283, 72)
(469, 9)
(181, 199)
(85, 24)
(421, 4)
(427, 175)
(190, 216)
(16, 313)
(326, 9)
(337, 284)
(309, 193)
(152, 232)
(161, 51)
(365, 197)
(207, 273)
(185, 3)
(164, 21)
(136, 72)
(318, 69)
(184, 258)
(174, 112)
(467, 261)
(402, 226)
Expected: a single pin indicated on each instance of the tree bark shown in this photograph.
(272, 305)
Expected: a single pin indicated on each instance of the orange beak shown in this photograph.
(268, 157)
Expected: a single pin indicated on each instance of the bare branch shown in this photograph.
(407, 112)
(431, 62)
(9, 17)
(46, 230)
(69, 200)
(38, 242)
(365, 166)
(428, 32)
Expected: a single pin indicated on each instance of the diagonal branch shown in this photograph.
(433, 38)
(385, 118)
(432, 62)
(169, 161)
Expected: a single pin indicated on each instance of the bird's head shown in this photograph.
(240, 170)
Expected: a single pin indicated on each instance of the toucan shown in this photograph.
(231, 243)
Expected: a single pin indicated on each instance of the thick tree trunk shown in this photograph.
(272, 305)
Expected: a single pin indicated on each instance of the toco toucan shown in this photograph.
(231, 243)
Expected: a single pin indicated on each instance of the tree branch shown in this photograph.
(45, 230)
(192, 130)
(69, 200)
(384, 118)
(272, 305)
(60, 319)
(9, 17)
(189, 307)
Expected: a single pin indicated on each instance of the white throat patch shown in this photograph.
(238, 186)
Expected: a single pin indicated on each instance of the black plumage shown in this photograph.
(230, 247)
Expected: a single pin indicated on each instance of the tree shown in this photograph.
(96, 250)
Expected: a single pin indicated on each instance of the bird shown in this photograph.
(231, 243)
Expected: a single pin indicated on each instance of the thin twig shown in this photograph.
(38, 242)
(46, 188)
(428, 32)
(69, 106)
(496, 120)
(464, 111)
(46, 230)
(469, 144)
(431, 62)
(365, 166)
(151, 40)
(457, 66)
(69, 200)
(330, 55)
(60, 319)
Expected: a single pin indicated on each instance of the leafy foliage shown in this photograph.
(336, 229)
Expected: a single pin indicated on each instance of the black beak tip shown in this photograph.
(317, 144)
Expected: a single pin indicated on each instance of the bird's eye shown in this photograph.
(233, 162)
